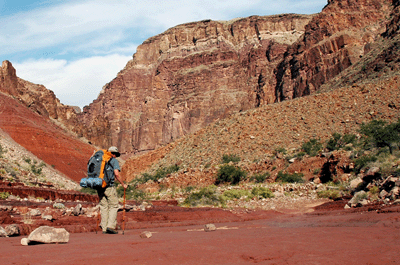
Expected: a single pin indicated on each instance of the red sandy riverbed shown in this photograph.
(368, 235)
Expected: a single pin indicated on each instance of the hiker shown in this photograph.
(108, 196)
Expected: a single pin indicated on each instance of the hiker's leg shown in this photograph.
(103, 210)
(112, 207)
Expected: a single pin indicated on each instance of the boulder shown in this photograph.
(209, 227)
(3, 232)
(12, 230)
(48, 235)
(355, 182)
(77, 210)
(146, 234)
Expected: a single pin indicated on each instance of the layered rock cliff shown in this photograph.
(196, 73)
(334, 40)
(189, 76)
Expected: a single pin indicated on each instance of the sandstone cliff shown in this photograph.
(334, 40)
(196, 73)
(189, 76)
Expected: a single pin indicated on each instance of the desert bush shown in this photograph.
(363, 161)
(338, 141)
(230, 158)
(290, 178)
(262, 192)
(381, 134)
(236, 194)
(88, 191)
(230, 174)
(312, 147)
(259, 178)
(132, 193)
(206, 196)
(330, 194)
(4, 195)
(159, 174)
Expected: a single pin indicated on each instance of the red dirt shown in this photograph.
(44, 139)
(329, 235)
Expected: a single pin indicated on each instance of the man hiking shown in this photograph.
(108, 195)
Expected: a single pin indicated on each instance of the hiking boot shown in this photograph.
(111, 231)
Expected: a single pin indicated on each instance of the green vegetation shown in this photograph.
(230, 158)
(206, 196)
(262, 192)
(312, 147)
(330, 194)
(88, 191)
(259, 178)
(132, 193)
(380, 134)
(236, 194)
(338, 141)
(290, 178)
(159, 174)
(4, 195)
(230, 174)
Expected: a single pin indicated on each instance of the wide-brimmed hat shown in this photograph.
(114, 150)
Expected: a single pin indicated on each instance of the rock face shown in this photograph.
(194, 74)
(36, 97)
(334, 40)
(189, 76)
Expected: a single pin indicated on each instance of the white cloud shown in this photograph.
(110, 20)
(75, 83)
(97, 38)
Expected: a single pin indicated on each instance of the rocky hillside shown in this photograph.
(194, 74)
(187, 78)
(366, 90)
(39, 135)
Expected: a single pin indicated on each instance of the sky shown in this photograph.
(74, 48)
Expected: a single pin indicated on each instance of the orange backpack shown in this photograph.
(97, 176)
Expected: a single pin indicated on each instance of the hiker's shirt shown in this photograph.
(113, 164)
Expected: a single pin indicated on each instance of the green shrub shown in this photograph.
(132, 193)
(159, 174)
(4, 195)
(236, 194)
(363, 161)
(381, 134)
(262, 192)
(330, 194)
(290, 178)
(88, 191)
(206, 196)
(259, 178)
(280, 150)
(230, 174)
(312, 147)
(230, 158)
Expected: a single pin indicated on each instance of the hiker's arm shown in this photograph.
(117, 176)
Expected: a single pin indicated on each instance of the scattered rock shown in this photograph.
(58, 205)
(146, 234)
(209, 227)
(3, 232)
(355, 182)
(12, 230)
(77, 210)
(35, 212)
(25, 241)
(47, 217)
(48, 235)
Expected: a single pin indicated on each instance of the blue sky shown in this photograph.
(75, 47)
